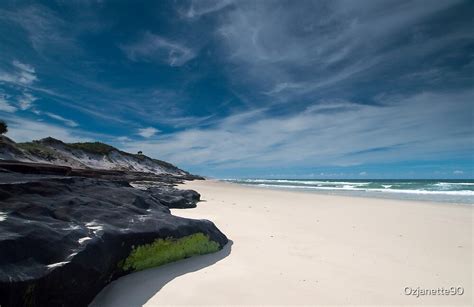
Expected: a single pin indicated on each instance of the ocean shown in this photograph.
(451, 191)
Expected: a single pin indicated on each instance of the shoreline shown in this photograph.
(340, 194)
(390, 195)
(309, 248)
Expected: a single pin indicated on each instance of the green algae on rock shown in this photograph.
(163, 251)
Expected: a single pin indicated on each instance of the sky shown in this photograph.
(232, 89)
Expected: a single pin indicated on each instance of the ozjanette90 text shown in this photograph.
(433, 291)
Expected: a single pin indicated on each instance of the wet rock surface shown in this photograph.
(62, 237)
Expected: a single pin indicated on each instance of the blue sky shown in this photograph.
(318, 89)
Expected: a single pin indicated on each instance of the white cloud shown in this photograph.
(45, 28)
(154, 47)
(22, 74)
(26, 100)
(24, 67)
(122, 139)
(147, 132)
(23, 130)
(66, 121)
(290, 50)
(5, 106)
(185, 121)
(425, 126)
(198, 8)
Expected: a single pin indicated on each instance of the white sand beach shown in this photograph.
(290, 248)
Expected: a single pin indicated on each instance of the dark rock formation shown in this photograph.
(34, 168)
(174, 198)
(68, 223)
(62, 238)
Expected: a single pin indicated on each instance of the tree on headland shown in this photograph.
(3, 127)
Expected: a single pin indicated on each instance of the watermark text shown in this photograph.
(419, 291)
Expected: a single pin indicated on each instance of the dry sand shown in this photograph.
(303, 248)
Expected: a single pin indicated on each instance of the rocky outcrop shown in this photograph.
(71, 222)
(129, 176)
(91, 155)
(62, 239)
(175, 198)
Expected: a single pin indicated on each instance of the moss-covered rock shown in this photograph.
(63, 239)
(163, 251)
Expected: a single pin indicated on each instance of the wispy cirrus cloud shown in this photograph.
(5, 105)
(24, 130)
(289, 51)
(25, 101)
(152, 47)
(198, 8)
(45, 29)
(66, 121)
(21, 74)
(247, 83)
(26, 74)
(186, 121)
(422, 126)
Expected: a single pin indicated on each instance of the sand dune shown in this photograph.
(303, 248)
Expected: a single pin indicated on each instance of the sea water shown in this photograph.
(452, 191)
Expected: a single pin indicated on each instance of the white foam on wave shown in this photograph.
(426, 192)
(352, 188)
(301, 182)
(454, 184)
(347, 187)
(3, 216)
